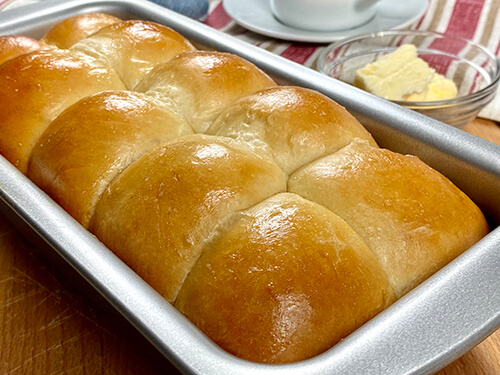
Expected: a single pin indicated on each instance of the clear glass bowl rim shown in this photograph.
(325, 68)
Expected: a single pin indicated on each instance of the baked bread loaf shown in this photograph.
(268, 215)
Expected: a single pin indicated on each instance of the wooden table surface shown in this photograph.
(49, 327)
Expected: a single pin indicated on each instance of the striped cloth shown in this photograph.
(477, 20)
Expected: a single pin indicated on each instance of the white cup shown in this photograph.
(324, 15)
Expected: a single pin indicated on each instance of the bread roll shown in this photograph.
(93, 140)
(199, 85)
(158, 213)
(293, 125)
(284, 281)
(36, 87)
(278, 233)
(71, 30)
(412, 217)
(133, 48)
(14, 45)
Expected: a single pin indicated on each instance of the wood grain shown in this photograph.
(485, 129)
(48, 327)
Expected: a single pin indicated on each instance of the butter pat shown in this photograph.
(401, 75)
(440, 88)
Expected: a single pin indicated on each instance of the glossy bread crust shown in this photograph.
(412, 217)
(292, 124)
(278, 232)
(36, 87)
(71, 30)
(14, 45)
(159, 211)
(200, 85)
(93, 141)
(133, 48)
(285, 279)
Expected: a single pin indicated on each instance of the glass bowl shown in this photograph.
(474, 70)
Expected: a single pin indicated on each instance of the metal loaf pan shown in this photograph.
(425, 330)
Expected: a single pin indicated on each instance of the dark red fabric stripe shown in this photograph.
(299, 52)
(465, 18)
(463, 22)
(218, 18)
(417, 26)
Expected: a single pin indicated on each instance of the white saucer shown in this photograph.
(255, 15)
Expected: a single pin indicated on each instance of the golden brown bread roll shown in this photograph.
(36, 87)
(282, 281)
(158, 213)
(199, 85)
(14, 45)
(93, 140)
(412, 217)
(293, 125)
(133, 48)
(270, 276)
(71, 30)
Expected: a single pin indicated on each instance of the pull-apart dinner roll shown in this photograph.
(93, 140)
(36, 87)
(71, 30)
(199, 85)
(283, 281)
(133, 48)
(157, 214)
(291, 124)
(413, 218)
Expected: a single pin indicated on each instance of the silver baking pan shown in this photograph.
(430, 327)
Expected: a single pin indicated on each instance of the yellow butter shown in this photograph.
(401, 75)
(440, 88)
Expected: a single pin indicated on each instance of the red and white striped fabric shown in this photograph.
(477, 20)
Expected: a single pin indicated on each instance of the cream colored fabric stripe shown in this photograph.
(489, 37)
(437, 16)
